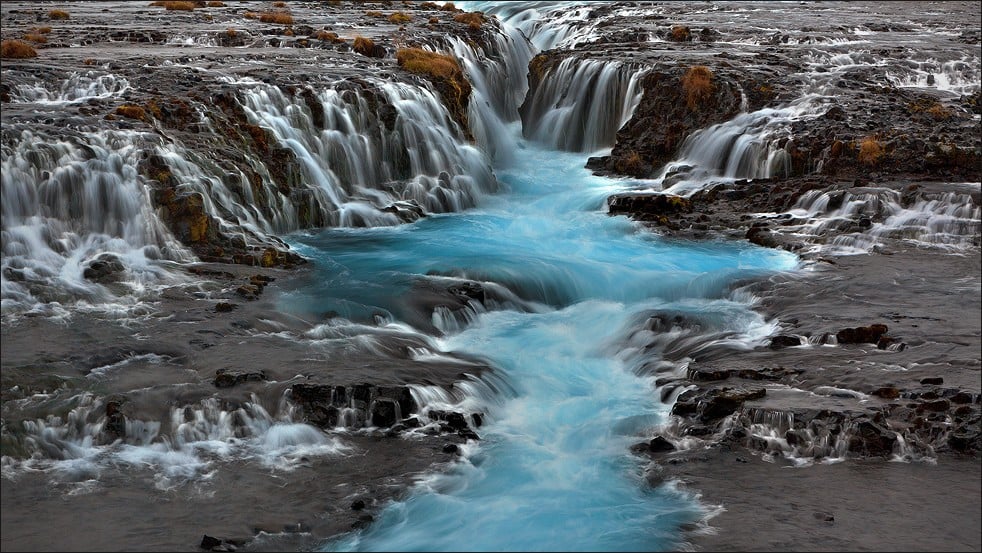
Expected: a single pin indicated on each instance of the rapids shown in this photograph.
(553, 470)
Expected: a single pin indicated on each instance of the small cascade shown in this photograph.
(69, 205)
(78, 87)
(547, 25)
(229, 196)
(863, 218)
(749, 146)
(93, 434)
(959, 76)
(499, 84)
(363, 152)
(580, 105)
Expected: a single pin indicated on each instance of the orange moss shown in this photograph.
(281, 18)
(681, 33)
(630, 165)
(939, 112)
(17, 49)
(34, 37)
(259, 137)
(328, 36)
(279, 4)
(697, 84)
(42, 30)
(400, 18)
(250, 15)
(131, 111)
(474, 20)
(231, 33)
(58, 14)
(429, 6)
(417, 60)
(434, 20)
(175, 5)
(445, 73)
(373, 13)
(449, 7)
(870, 151)
(366, 47)
(89, 61)
(216, 4)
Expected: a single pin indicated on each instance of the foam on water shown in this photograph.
(552, 469)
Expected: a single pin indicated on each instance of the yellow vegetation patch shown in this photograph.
(417, 60)
(374, 13)
(365, 47)
(328, 36)
(41, 30)
(131, 111)
(17, 49)
(175, 5)
(281, 18)
(58, 14)
(870, 150)
(474, 20)
(697, 84)
(399, 18)
(35, 37)
(681, 33)
(216, 4)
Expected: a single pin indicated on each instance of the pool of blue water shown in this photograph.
(553, 470)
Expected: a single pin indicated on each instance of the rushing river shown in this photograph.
(553, 470)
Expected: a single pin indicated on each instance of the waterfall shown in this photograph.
(580, 105)
(71, 202)
(863, 218)
(366, 154)
(749, 146)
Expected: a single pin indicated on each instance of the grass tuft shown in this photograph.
(474, 20)
(17, 49)
(870, 151)
(697, 84)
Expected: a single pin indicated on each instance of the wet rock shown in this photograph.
(933, 380)
(861, 335)
(104, 268)
(872, 439)
(468, 291)
(357, 505)
(708, 374)
(784, 341)
(384, 412)
(657, 208)
(659, 444)
(451, 448)
(886, 392)
(227, 378)
(115, 426)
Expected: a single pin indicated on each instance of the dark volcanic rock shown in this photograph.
(227, 378)
(861, 335)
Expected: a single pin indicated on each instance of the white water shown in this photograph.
(552, 470)
(67, 203)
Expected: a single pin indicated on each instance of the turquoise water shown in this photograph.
(553, 469)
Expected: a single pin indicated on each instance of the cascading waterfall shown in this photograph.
(863, 218)
(364, 164)
(67, 204)
(183, 444)
(78, 87)
(580, 105)
(552, 468)
(749, 146)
